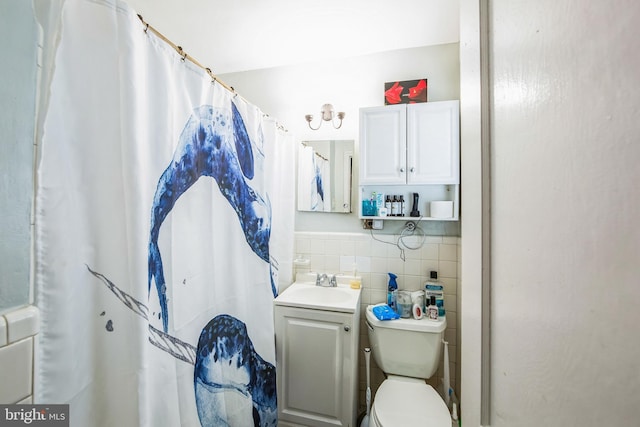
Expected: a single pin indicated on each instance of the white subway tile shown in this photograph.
(365, 278)
(379, 265)
(448, 253)
(379, 281)
(303, 245)
(452, 353)
(449, 284)
(452, 318)
(317, 247)
(332, 247)
(393, 251)
(447, 269)
(412, 242)
(363, 247)
(433, 239)
(16, 368)
(3, 332)
(450, 335)
(429, 265)
(377, 296)
(413, 267)
(430, 251)
(395, 265)
(450, 302)
(332, 264)
(347, 247)
(317, 262)
(365, 296)
(346, 263)
(363, 264)
(411, 283)
(22, 323)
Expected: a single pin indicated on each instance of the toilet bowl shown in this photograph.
(402, 402)
(408, 352)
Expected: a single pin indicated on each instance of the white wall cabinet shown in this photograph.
(383, 145)
(411, 148)
(316, 359)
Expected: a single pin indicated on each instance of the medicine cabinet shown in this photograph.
(411, 149)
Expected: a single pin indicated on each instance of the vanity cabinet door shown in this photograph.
(433, 143)
(383, 150)
(316, 364)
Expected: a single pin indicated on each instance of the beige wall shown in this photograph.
(288, 93)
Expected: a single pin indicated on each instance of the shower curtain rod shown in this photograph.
(185, 56)
(315, 152)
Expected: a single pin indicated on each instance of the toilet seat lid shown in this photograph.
(410, 402)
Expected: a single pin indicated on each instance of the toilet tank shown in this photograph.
(406, 347)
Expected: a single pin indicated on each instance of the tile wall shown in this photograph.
(17, 339)
(375, 256)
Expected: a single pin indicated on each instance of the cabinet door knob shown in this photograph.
(412, 169)
(401, 169)
(347, 328)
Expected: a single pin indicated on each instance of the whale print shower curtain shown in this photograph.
(163, 227)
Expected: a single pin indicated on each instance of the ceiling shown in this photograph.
(240, 35)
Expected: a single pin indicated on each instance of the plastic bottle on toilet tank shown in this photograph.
(434, 287)
(432, 309)
(392, 292)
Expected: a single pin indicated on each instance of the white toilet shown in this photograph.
(408, 351)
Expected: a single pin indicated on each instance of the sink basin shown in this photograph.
(320, 295)
(305, 294)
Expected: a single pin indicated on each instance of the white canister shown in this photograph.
(441, 209)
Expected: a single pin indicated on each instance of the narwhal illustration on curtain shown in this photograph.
(214, 143)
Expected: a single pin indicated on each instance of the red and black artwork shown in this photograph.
(405, 92)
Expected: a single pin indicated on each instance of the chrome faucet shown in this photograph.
(321, 280)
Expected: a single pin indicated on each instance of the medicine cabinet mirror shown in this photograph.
(325, 175)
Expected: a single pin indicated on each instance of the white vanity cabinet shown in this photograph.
(316, 359)
(411, 148)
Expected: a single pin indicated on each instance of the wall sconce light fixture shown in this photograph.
(327, 116)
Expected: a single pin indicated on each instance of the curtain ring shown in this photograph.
(213, 78)
(146, 28)
(182, 53)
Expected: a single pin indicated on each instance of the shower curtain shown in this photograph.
(314, 177)
(163, 227)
